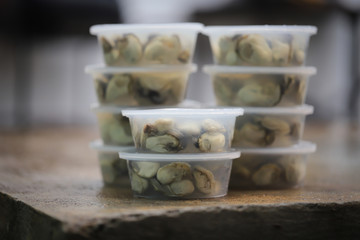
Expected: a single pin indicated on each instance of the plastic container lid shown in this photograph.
(261, 28)
(101, 68)
(302, 148)
(135, 156)
(101, 147)
(185, 111)
(213, 69)
(297, 110)
(106, 28)
(96, 107)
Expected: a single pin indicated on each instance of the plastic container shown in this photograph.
(147, 44)
(113, 169)
(132, 86)
(260, 45)
(115, 128)
(259, 86)
(174, 130)
(271, 168)
(270, 127)
(179, 176)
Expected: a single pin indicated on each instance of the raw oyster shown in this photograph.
(211, 142)
(118, 86)
(163, 49)
(138, 184)
(173, 172)
(182, 188)
(254, 49)
(145, 169)
(129, 48)
(268, 174)
(204, 180)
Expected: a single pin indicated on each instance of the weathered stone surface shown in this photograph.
(50, 188)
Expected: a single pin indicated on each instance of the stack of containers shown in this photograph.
(261, 68)
(146, 66)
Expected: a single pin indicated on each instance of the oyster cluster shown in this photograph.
(128, 50)
(144, 89)
(258, 50)
(259, 90)
(178, 179)
(266, 131)
(270, 171)
(114, 170)
(115, 129)
(168, 136)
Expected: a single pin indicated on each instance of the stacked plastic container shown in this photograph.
(145, 66)
(261, 68)
(179, 153)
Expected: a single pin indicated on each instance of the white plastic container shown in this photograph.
(113, 169)
(147, 44)
(260, 45)
(174, 130)
(259, 86)
(115, 128)
(270, 127)
(132, 86)
(271, 168)
(179, 176)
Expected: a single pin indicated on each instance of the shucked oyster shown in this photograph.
(173, 172)
(254, 49)
(118, 86)
(268, 174)
(129, 48)
(204, 180)
(163, 49)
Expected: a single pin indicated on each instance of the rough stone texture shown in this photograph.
(50, 188)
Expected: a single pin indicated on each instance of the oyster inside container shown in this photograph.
(113, 169)
(184, 130)
(271, 168)
(115, 128)
(270, 127)
(260, 45)
(147, 44)
(259, 86)
(179, 176)
(140, 86)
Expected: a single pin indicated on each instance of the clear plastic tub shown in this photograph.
(113, 169)
(183, 130)
(259, 86)
(179, 176)
(260, 45)
(115, 128)
(132, 86)
(147, 44)
(271, 168)
(270, 127)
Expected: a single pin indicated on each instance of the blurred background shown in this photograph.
(45, 45)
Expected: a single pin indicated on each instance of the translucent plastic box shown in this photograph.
(147, 44)
(179, 176)
(132, 86)
(113, 169)
(270, 127)
(174, 130)
(259, 86)
(271, 168)
(260, 45)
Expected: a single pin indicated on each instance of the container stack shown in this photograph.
(261, 68)
(146, 66)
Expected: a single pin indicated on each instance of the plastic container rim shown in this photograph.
(303, 147)
(236, 111)
(132, 155)
(145, 27)
(214, 69)
(309, 29)
(101, 68)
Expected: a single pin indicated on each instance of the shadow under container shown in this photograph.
(113, 169)
(179, 176)
(140, 86)
(270, 127)
(260, 45)
(147, 44)
(181, 130)
(259, 86)
(271, 168)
